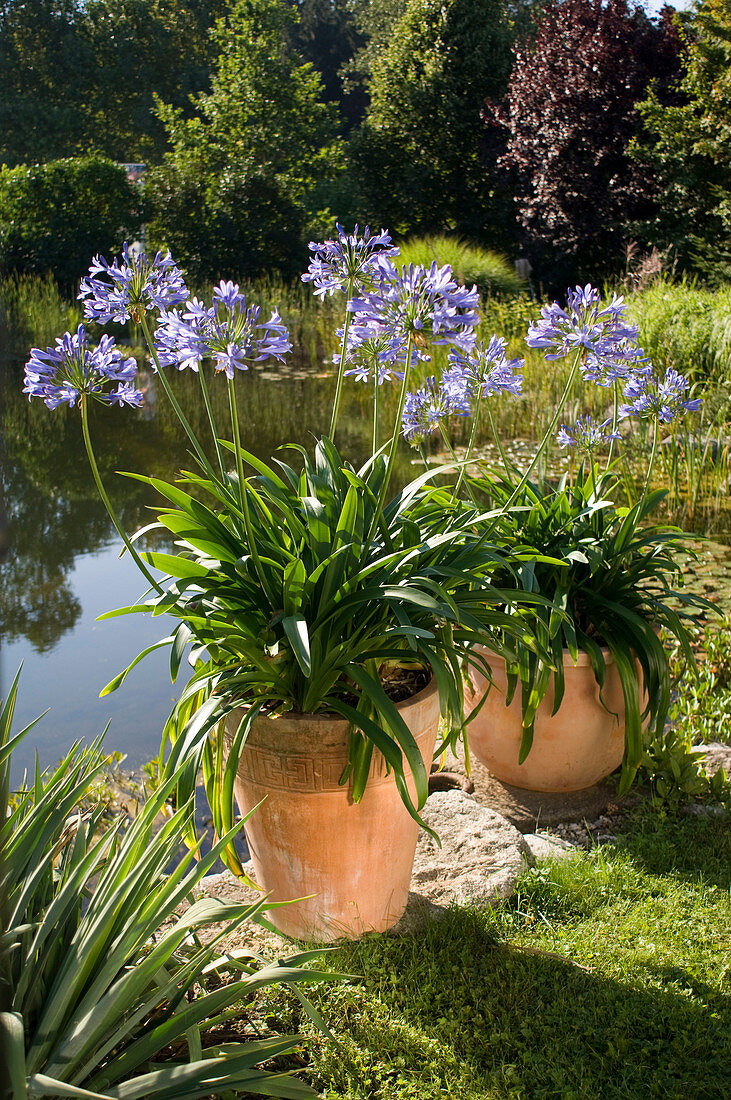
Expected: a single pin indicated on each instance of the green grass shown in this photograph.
(606, 976)
(685, 326)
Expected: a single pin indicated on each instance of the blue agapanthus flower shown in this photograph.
(426, 304)
(664, 399)
(615, 361)
(62, 374)
(130, 287)
(586, 434)
(371, 354)
(347, 263)
(228, 332)
(484, 370)
(602, 332)
(424, 410)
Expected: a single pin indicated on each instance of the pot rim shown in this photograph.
(583, 660)
(330, 718)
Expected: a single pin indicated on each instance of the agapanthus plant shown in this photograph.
(292, 591)
(607, 577)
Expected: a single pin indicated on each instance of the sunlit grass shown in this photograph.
(606, 976)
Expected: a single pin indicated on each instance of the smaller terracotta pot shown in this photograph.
(308, 837)
(575, 748)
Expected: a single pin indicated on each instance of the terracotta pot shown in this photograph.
(577, 747)
(310, 837)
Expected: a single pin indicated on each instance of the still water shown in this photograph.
(63, 569)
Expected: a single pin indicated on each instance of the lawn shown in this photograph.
(607, 975)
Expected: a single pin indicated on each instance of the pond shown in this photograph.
(63, 568)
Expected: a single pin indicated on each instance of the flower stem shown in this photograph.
(244, 495)
(174, 401)
(653, 456)
(615, 421)
(450, 448)
(376, 388)
(107, 502)
(211, 420)
(341, 369)
(498, 442)
(548, 433)
(394, 441)
(470, 444)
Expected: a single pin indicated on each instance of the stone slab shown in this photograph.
(716, 756)
(548, 847)
(531, 810)
(478, 863)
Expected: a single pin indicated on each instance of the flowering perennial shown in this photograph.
(131, 286)
(586, 434)
(228, 332)
(348, 263)
(425, 410)
(484, 370)
(62, 374)
(646, 395)
(414, 299)
(603, 333)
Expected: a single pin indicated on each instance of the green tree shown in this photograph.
(83, 74)
(327, 35)
(235, 195)
(689, 146)
(143, 50)
(45, 61)
(56, 216)
(419, 156)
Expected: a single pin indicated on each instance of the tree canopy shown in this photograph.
(570, 116)
(688, 144)
(238, 190)
(419, 154)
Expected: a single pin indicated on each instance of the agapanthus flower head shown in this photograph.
(663, 399)
(424, 411)
(347, 262)
(583, 325)
(62, 374)
(586, 434)
(614, 361)
(228, 332)
(426, 304)
(484, 369)
(371, 354)
(131, 286)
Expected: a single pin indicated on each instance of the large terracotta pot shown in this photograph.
(310, 837)
(580, 745)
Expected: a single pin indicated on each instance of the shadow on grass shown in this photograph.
(452, 1012)
(691, 849)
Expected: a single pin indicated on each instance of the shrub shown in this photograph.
(54, 216)
(470, 263)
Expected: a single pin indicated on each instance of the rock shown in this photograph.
(480, 857)
(531, 810)
(716, 756)
(541, 846)
(702, 809)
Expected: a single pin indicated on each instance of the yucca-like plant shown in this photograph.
(101, 972)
